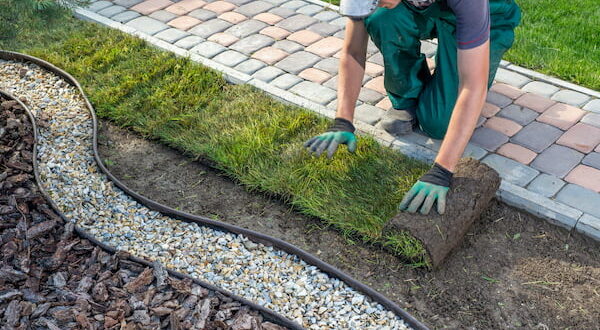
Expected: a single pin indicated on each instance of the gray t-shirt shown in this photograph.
(472, 20)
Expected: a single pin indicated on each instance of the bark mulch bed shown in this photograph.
(52, 278)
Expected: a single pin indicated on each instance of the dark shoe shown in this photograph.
(398, 122)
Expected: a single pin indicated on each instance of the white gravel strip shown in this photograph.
(272, 278)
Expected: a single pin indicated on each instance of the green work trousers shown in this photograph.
(398, 33)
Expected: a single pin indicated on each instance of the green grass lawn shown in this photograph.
(247, 134)
(560, 38)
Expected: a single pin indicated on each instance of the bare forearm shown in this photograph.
(462, 124)
(349, 83)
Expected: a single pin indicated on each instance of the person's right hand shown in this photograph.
(341, 132)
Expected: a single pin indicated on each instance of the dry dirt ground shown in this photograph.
(513, 271)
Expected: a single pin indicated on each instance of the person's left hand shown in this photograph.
(431, 188)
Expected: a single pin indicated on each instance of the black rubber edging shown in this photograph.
(250, 234)
(267, 314)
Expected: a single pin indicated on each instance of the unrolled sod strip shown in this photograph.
(275, 279)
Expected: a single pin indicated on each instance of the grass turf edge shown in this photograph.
(245, 133)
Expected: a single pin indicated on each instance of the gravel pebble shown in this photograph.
(267, 276)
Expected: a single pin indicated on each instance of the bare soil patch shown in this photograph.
(512, 271)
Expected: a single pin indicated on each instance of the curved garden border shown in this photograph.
(155, 206)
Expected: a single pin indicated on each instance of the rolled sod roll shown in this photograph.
(473, 187)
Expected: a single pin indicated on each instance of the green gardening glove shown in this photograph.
(432, 187)
(341, 132)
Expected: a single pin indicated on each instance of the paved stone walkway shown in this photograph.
(541, 134)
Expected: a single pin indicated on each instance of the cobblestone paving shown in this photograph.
(541, 134)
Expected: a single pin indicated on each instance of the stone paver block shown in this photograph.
(557, 160)
(546, 185)
(330, 65)
(310, 10)
(232, 17)
(246, 28)
(327, 15)
(314, 92)
(589, 225)
(171, 35)
(184, 22)
(580, 198)
(203, 14)
(537, 136)
(304, 37)
(268, 18)
(270, 55)
(324, 29)
(185, 6)
(99, 5)
(219, 7)
(592, 159)
(377, 59)
(163, 16)
(111, 11)
(507, 90)
(189, 42)
(516, 152)
(149, 6)
(282, 12)
(238, 2)
(591, 119)
(333, 83)
(294, 4)
(368, 114)
(125, 16)
(489, 110)
(208, 49)
(369, 96)
(541, 88)
(147, 25)
(385, 103)
(593, 106)
(520, 115)
(297, 62)
(561, 115)
(376, 84)
(511, 78)
(373, 69)
(511, 170)
(570, 97)
(585, 176)
(339, 21)
(250, 66)
(223, 38)
(286, 81)
(582, 137)
(274, 32)
(209, 28)
(488, 138)
(252, 43)
(230, 58)
(314, 75)
(480, 121)
(126, 3)
(268, 73)
(534, 102)
(296, 22)
(326, 47)
(498, 99)
(254, 8)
